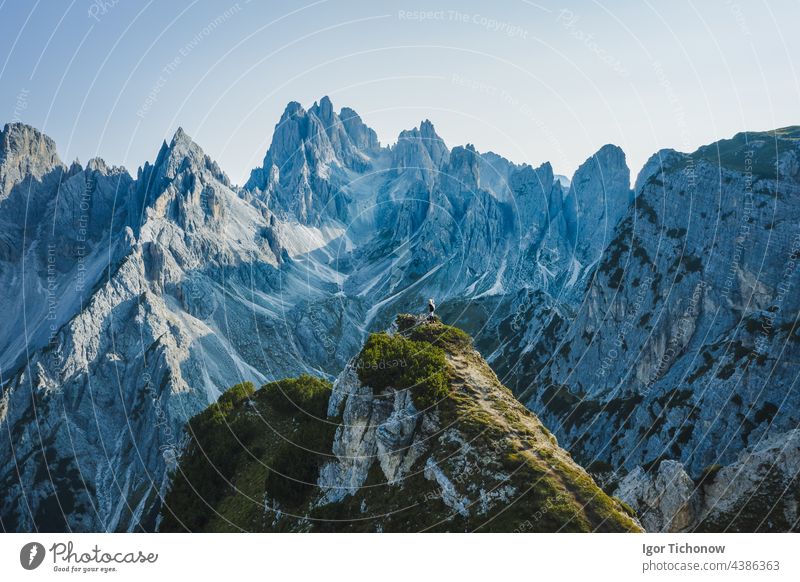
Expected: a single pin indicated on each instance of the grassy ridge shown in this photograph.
(255, 451)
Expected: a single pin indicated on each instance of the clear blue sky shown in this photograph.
(533, 81)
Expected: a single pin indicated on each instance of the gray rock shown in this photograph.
(757, 492)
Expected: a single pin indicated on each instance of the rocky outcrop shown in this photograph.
(664, 499)
(760, 491)
(384, 441)
(59, 228)
(386, 427)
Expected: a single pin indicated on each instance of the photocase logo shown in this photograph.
(31, 555)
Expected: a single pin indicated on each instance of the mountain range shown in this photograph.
(650, 326)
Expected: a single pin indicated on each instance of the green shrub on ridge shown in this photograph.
(393, 361)
(248, 443)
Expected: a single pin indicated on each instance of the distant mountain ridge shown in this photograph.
(133, 302)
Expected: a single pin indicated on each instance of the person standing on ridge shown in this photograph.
(431, 308)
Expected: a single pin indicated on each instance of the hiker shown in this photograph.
(431, 308)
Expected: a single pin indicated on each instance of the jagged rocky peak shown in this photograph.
(21, 140)
(527, 178)
(99, 165)
(181, 157)
(323, 110)
(464, 167)
(184, 154)
(95, 188)
(599, 196)
(351, 144)
(416, 434)
(68, 207)
(308, 167)
(420, 152)
(24, 151)
(537, 198)
(495, 171)
(601, 185)
(434, 144)
(183, 185)
(362, 136)
(314, 139)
